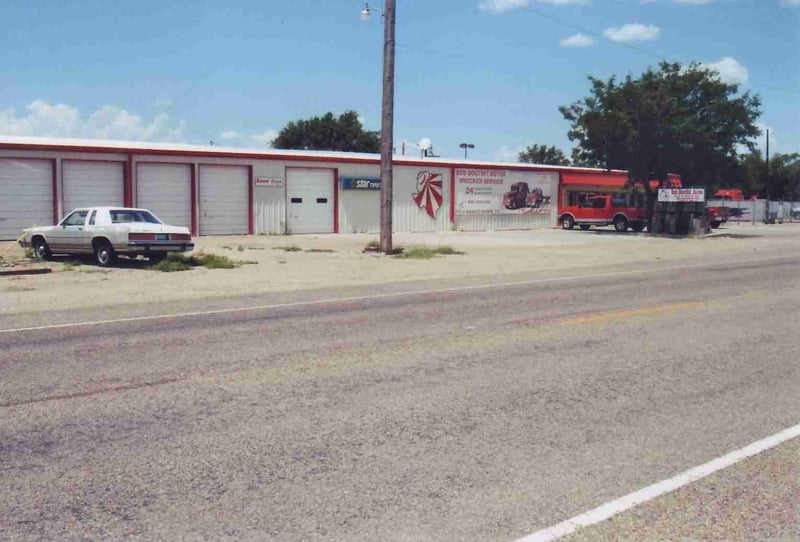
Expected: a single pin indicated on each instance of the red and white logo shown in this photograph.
(429, 192)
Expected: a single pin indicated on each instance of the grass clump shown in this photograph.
(325, 250)
(426, 253)
(172, 263)
(180, 262)
(213, 261)
(289, 248)
(373, 244)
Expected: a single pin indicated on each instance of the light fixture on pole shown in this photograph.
(387, 122)
(466, 146)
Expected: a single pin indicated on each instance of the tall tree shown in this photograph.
(542, 154)
(328, 133)
(674, 119)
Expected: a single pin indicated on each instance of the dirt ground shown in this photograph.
(339, 260)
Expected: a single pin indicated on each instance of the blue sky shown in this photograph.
(488, 72)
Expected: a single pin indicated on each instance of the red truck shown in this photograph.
(604, 210)
(521, 196)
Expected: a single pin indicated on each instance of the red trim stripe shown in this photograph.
(452, 195)
(250, 221)
(193, 196)
(55, 191)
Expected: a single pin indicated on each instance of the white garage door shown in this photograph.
(26, 195)
(92, 184)
(309, 200)
(224, 199)
(166, 189)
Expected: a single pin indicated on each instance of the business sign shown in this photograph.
(269, 181)
(361, 183)
(682, 195)
(495, 192)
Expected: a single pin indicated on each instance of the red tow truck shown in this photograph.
(604, 210)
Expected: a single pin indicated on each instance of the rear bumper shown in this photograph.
(159, 246)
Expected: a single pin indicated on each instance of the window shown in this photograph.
(78, 218)
(619, 201)
(123, 216)
(91, 218)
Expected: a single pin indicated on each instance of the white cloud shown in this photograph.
(730, 70)
(227, 135)
(507, 154)
(501, 6)
(108, 122)
(790, 2)
(578, 40)
(695, 2)
(632, 32)
(262, 140)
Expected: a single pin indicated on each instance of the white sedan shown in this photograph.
(107, 232)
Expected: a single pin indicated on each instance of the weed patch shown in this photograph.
(426, 253)
(289, 248)
(324, 250)
(180, 262)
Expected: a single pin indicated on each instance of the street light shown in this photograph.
(466, 146)
(387, 121)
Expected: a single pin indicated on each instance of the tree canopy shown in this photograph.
(674, 119)
(784, 176)
(328, 133)
(542, 154)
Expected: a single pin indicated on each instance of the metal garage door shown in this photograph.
(92, 184)
(26, 195)
(309, 200)
(166, 189)
(224, 208)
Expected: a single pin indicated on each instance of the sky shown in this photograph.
(487, 72)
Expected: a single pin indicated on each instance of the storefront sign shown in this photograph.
(269, 181)
(494, 192)
(682, 195)
(361, 183)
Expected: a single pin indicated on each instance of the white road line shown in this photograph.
(379, 296)
(613, 508)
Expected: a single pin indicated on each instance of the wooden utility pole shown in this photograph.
(387, 127)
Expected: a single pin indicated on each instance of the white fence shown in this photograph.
(753, 211)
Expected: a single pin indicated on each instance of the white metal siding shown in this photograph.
(309, 200)
(92, 184)
(224, 200)
(166, 190)
(26, 195)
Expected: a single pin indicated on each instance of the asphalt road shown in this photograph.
(467, 413)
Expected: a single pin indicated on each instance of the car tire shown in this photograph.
(104, 254)
(567, 222)
(585, 227)
(41, 249)
(620, 223)
(637, 227)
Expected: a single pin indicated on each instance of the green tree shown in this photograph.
(328, 133)
(542, 154)
(784, 176)
(674, 119)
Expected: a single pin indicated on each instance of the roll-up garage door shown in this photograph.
(92, 184)
(166, 190)
(26, 195)
(309, 200)
(224, 208)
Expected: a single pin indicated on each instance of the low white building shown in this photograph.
(221, 191)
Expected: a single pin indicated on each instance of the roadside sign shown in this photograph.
(682, 195)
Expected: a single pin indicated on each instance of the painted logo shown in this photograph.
(429, 192)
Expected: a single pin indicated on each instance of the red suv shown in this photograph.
(603, 210)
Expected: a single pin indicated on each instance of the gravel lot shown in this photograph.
(341, 262)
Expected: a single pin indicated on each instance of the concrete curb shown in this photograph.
(28, 271)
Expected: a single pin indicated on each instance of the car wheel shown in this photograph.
(40, 249)
(637, 226)
(585, 227)
(567, 222)
(104, 254)
(620, 223)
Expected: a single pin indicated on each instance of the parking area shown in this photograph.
(286, 263)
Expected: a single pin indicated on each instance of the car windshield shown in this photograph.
(127, 215)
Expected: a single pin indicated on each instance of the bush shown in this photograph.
(426, 253)
(176, 261)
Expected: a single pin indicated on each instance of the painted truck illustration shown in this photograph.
(521, 196)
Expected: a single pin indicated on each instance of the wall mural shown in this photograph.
(429, 192)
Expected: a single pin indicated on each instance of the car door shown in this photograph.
(69, 235)
(592, 210)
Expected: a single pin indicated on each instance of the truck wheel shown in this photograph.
(585, 227)
(40, 249)
(104, 254)
(567, 222)
(637, 226)
(620, 223)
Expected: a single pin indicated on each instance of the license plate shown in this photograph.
(162, 237)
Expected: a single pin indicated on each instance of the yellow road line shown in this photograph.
(634, 312)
